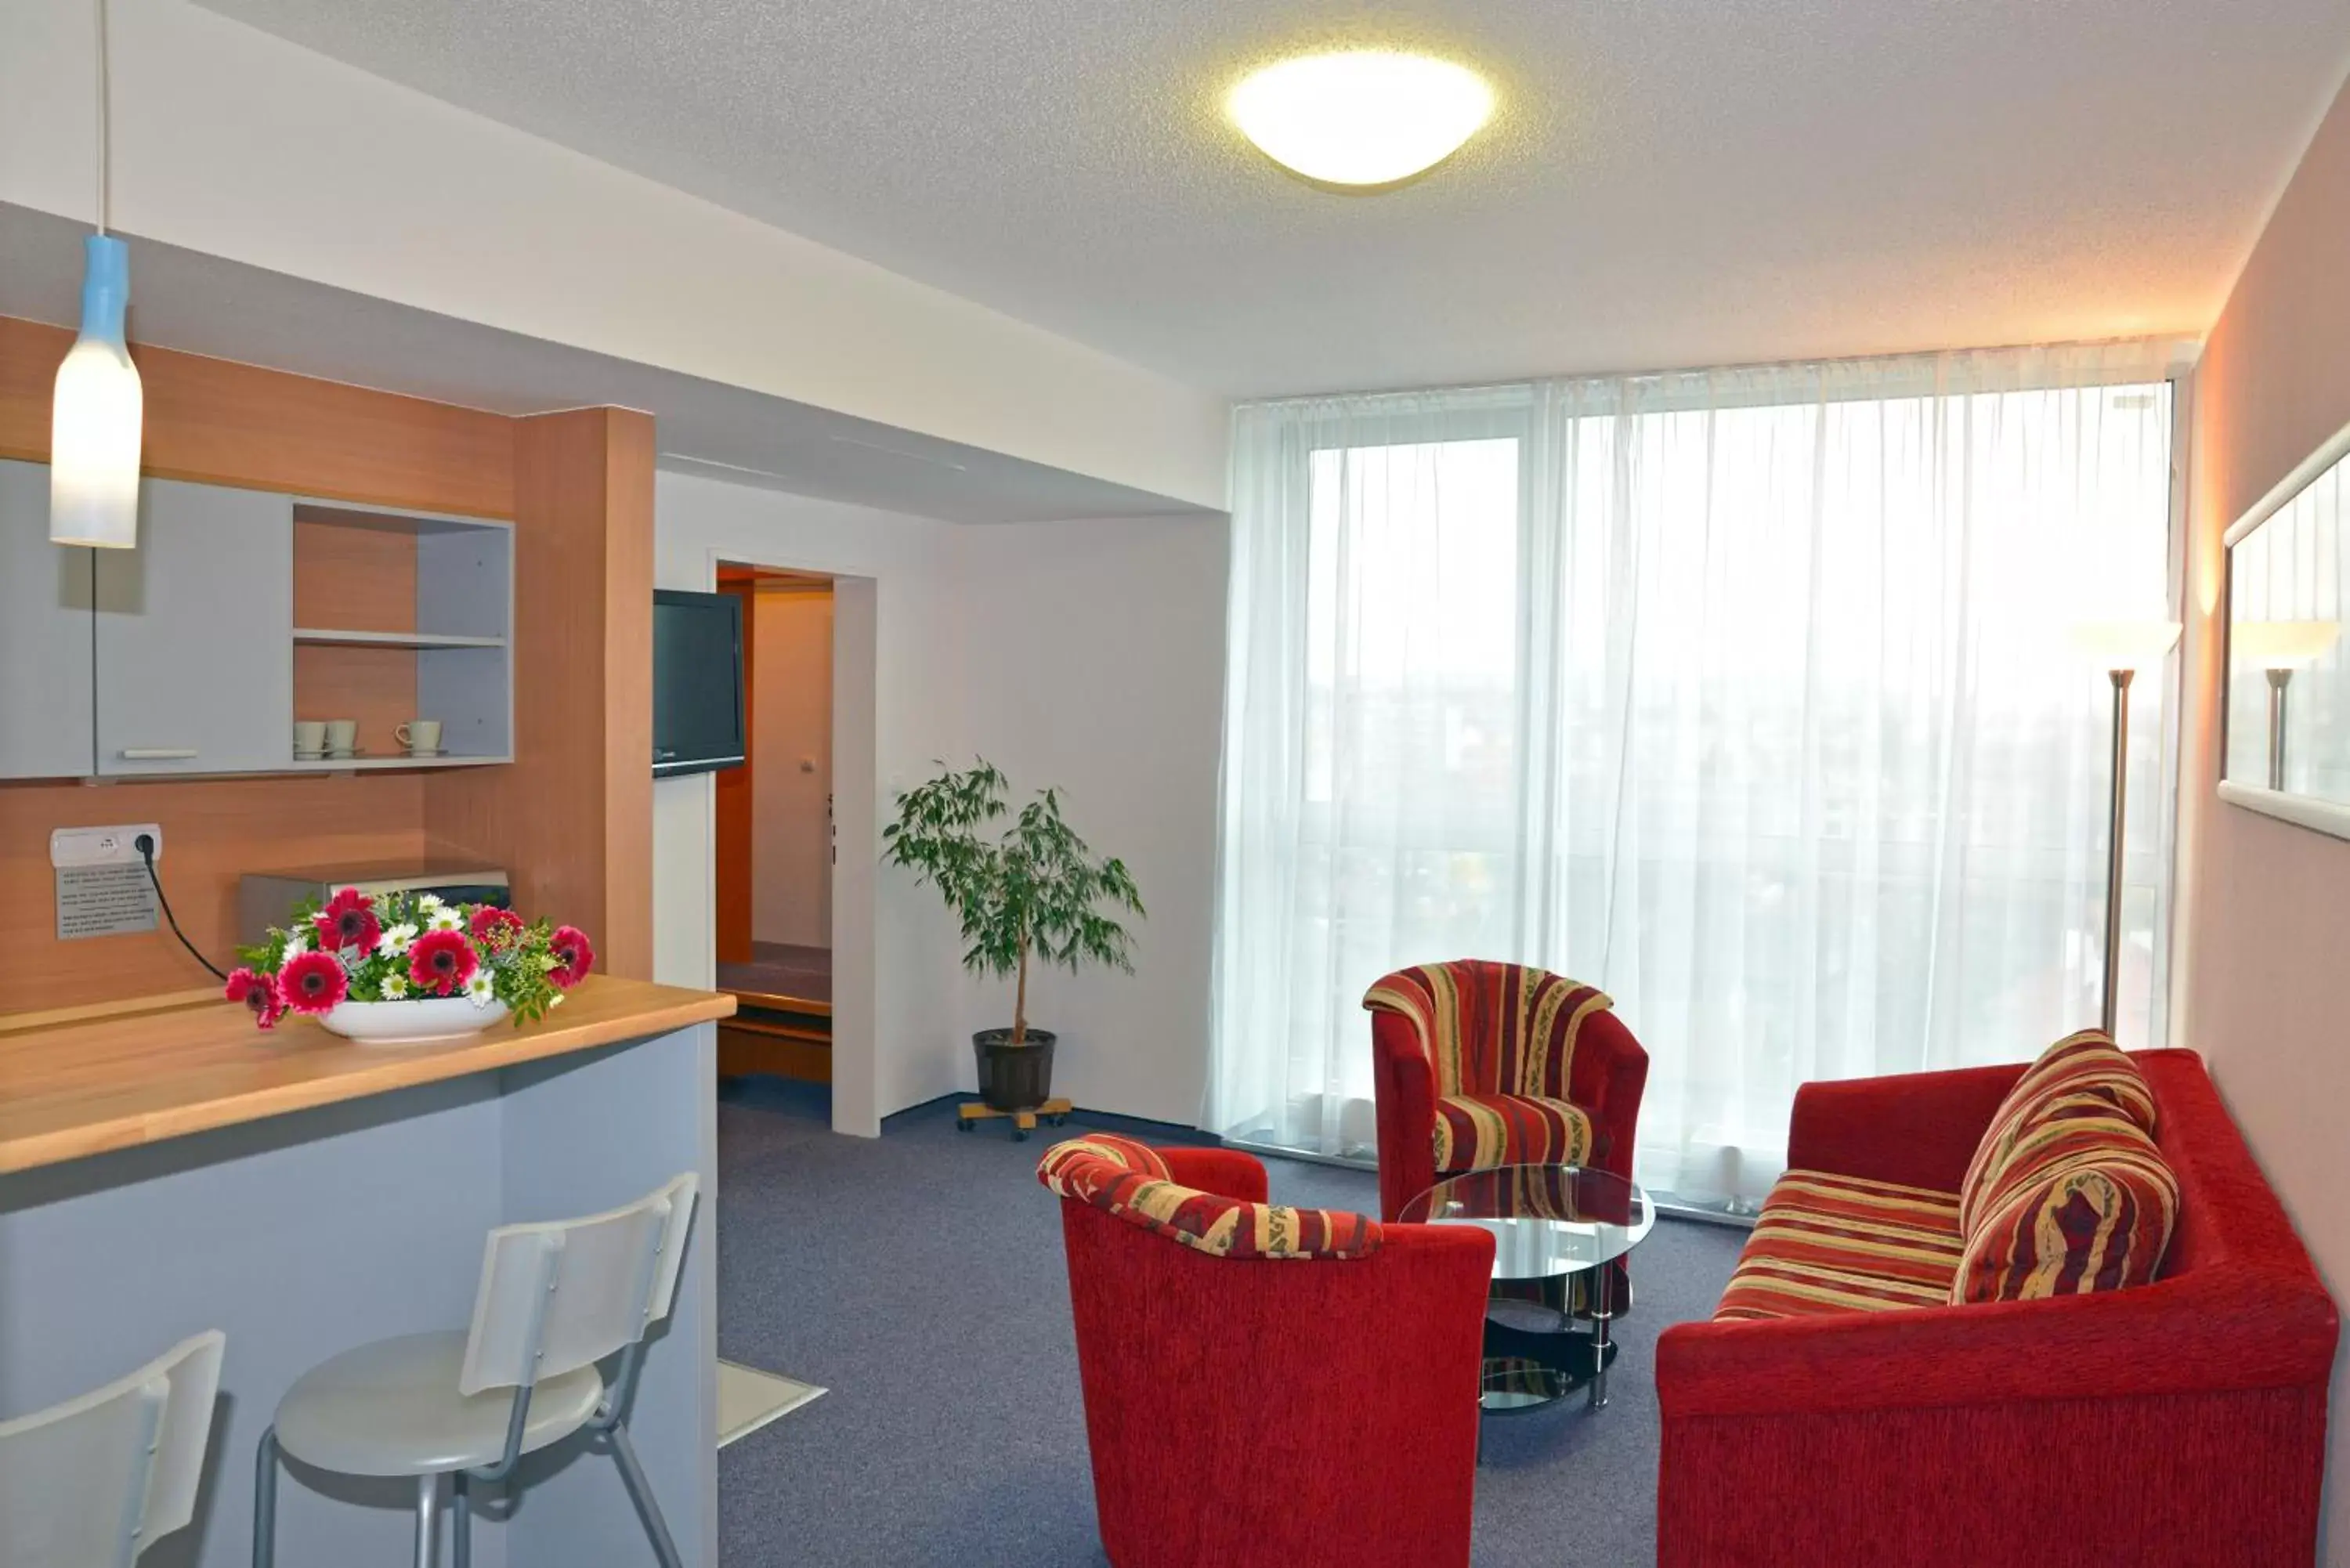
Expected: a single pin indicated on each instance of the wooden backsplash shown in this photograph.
(214, 831)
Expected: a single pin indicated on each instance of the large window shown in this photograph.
(1748, 698)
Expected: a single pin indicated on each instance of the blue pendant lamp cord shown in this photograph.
(103, 94)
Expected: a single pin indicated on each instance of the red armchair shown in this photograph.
(2174, 1424)
(1477, 1063)
(1242, 1410)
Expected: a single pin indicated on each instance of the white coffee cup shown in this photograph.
(342, 735)
(421, 736)
(309, 737)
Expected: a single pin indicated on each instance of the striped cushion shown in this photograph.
(1120, 1151)
(1130, 1181)
(2086, 1063)
(1491, 1028)
(2085, 1202)
(1842, 1243)
(1473, 1132)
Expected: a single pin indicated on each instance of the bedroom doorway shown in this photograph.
(776, 833)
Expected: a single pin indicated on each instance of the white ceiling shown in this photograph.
(204, 304)
(1671, 183)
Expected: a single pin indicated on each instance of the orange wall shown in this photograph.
(2266, 905)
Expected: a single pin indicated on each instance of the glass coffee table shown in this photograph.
(1558, 1231)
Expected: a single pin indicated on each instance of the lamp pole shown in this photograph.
(2278, 680)
(2121, 679)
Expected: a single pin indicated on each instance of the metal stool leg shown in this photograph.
(641, 1492)
(264, 1500)
(461, 1521)
(428, 1521)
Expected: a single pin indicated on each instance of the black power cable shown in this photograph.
(145, 844)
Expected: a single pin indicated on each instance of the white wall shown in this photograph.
(1085, 655)
(791, 827)
(234, 142)
(1096, 665)
(885, 1028)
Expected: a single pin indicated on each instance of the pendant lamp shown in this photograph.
(95, 422)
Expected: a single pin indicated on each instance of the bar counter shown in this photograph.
(165, 1168)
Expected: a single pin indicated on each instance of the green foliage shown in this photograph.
(1032, 886)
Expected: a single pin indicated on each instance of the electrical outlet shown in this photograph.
(102, 845)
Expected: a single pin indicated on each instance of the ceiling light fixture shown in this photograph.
(1362, 118)
(99, 411)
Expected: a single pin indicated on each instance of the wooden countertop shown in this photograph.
(74, 1085)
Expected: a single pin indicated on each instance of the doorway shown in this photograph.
(775, 833)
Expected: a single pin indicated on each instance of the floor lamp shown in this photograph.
(2122, 647)
(2279, 648)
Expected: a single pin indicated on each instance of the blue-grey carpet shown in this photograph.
(920, 1278)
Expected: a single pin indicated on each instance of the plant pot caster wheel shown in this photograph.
(1024, 1121)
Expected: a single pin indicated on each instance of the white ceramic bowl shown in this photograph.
(422, 1022)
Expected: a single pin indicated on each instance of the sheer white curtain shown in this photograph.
(1744, 695)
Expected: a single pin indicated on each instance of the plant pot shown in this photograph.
(425, 1021)
(1014, 1077)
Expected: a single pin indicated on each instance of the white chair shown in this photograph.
(554, 1300)
(93, 1482)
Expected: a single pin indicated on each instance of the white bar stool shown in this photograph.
(93, 1482)
(554, 1300)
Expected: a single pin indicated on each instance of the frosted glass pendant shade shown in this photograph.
(100, 413)
(1361, 119)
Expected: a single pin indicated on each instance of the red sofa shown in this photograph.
(1498, 1033)
(1246, 1411)
(2179, 1424)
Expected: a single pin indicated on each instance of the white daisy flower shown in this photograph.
(395, 987)
(295, 942)
(445, 918)
(396, 940)
(482, 990)
(428, 902)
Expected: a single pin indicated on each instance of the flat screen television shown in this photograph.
(697, 683)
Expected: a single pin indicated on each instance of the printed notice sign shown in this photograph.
(103, 901)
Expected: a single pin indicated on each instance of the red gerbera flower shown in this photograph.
(442, 962)
(348, 921)
(495, 928)
(259, 992)
(313, 982)
(574, 956)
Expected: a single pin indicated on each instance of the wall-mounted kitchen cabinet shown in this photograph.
(46, 678)
(240, 612)
(194, 673)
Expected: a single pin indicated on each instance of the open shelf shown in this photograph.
(401, 615)
(393, 639)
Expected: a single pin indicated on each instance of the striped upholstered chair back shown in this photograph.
(1492, 1028)
(1133, 1181)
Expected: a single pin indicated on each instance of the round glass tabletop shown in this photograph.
(1546, 1220)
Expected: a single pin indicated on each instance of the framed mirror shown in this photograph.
(2288, 672)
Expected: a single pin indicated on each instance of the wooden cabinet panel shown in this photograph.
(195, 656)
(46, 728)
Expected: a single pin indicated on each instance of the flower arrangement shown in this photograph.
(409, 947)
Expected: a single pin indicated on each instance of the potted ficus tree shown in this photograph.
(1028, 889)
